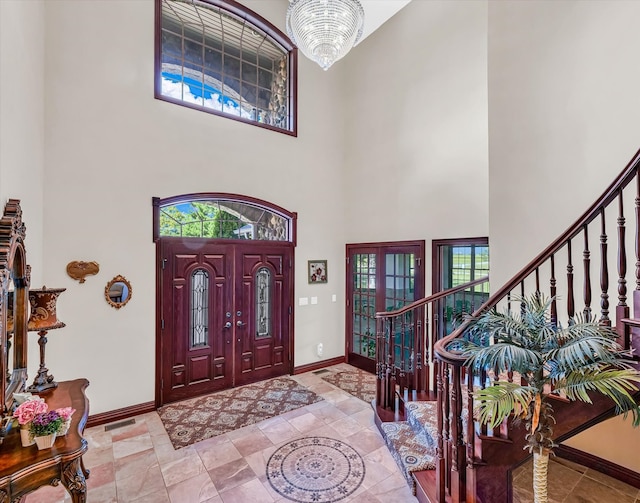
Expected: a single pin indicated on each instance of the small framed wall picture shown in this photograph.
(317, 271)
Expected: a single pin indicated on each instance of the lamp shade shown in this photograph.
(43, 309)
(325, 30)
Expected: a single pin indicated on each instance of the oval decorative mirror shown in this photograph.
(118, 292)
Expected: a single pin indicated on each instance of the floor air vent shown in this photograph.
(321, 371)
(113, 426)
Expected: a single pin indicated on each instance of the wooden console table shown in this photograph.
(25, 469)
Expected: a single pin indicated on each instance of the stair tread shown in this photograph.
(412, 450)
(423, 416)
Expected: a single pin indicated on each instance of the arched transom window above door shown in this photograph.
(217, 56)
(222, 216)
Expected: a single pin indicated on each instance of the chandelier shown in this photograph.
(325, 30)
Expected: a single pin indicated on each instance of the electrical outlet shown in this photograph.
(320, 349)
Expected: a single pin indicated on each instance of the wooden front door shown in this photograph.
(225, 315)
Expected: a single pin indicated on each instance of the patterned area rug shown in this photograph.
(315, 469)
(207, 416)
(357, 382)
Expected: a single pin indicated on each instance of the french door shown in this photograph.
(225, 315)
(455, 262)
(380, 277)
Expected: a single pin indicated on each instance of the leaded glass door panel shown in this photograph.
(380, 277)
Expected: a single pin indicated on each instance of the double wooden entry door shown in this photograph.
(225, 316)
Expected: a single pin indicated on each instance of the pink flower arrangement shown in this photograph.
(26, 411)
(65, 413)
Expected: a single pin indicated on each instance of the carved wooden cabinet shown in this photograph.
(25, 469)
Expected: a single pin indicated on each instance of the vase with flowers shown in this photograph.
(25, 413)
(44, 428)
(65, 413)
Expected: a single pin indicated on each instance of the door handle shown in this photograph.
(227, 324)
(240, 323)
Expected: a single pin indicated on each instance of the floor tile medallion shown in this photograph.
(207, 416)
(356, 382)
(315, 469)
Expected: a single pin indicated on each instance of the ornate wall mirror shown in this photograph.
(118, 292)
(14, 307)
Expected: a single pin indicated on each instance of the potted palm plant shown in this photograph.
(571, 361)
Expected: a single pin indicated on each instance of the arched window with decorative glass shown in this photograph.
(219, 216)
(217, 56)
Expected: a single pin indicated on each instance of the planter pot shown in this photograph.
(25, 436)
(64, 428)
(46, 441)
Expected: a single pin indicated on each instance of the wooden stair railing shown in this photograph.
(405, 339)
(478, 469)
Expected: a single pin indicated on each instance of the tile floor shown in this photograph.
(138, 464)
(572, 483)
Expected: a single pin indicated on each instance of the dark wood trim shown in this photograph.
(385, 244)
(120, 414)
(318, 365)
(598, 464)
(159, 342)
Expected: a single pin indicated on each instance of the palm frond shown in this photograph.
(582, 328)
(619, 385)
(496, 402)
(502, 357)
(592, 348)
(529, 327)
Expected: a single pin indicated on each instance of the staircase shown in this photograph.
(423, 403)
(413, 442)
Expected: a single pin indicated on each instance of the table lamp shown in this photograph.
(43, 318)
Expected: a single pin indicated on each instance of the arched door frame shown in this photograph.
(221, 198)
(291, 217)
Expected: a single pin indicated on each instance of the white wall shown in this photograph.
(563, 108)
(416, 114)
(111, 147)
(22, 120)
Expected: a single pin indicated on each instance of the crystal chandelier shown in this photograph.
(325, 30)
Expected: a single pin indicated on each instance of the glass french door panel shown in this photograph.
(364, 305)
(465, 263)
(400, 272)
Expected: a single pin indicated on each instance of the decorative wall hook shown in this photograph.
(79, 269)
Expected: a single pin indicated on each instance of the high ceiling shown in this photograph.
(376, 12)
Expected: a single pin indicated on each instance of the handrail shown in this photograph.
(623, 179)
(431, 298)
